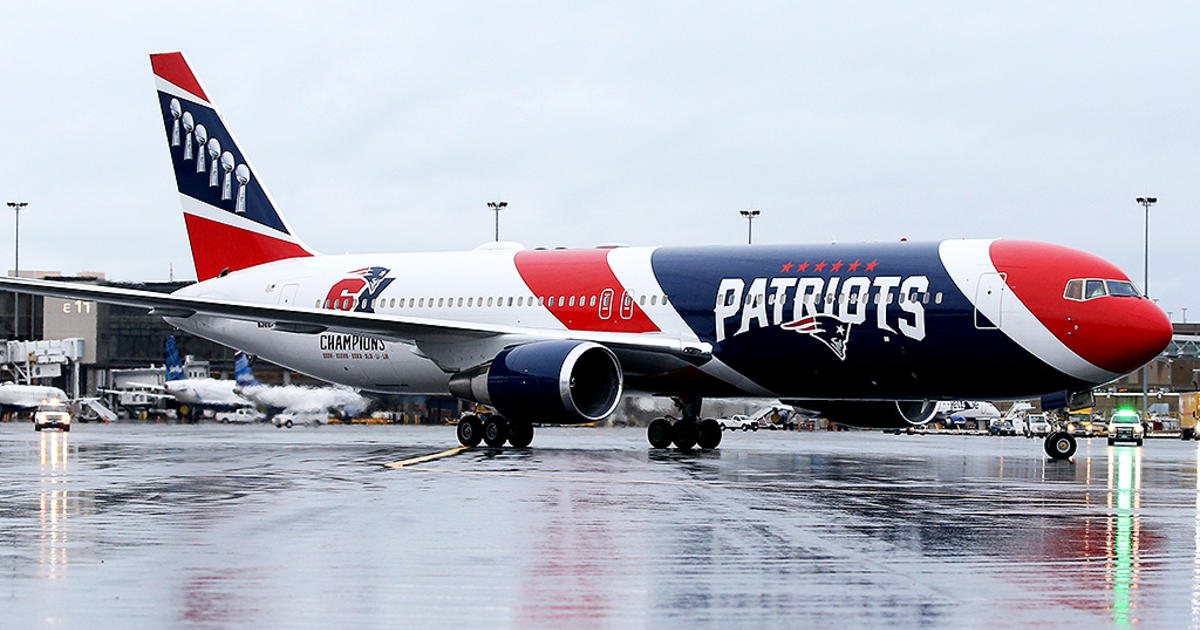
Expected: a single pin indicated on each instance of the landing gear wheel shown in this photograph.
(470, 431)
(495, 431)
(684, 433)
(659, 433)
(287, 423)
(1060, 445)
(1139, 442)
(1111, 441)
(709, 433)
(520, 433)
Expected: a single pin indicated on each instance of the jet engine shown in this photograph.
(547, 381)
(899, 414)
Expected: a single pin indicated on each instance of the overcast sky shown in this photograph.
(387, 127)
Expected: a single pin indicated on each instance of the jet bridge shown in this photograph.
(26, 361)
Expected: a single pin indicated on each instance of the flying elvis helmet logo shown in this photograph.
(827, 329)
(358, 292)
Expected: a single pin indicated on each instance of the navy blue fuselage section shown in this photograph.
(199, 184)
(863, 321)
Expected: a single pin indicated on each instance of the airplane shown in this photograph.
(17, 397)
(865, 333)
(196, 394)
(292, 397)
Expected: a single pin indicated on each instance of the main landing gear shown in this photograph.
(687, 431)
(494, 430)
(1060, 445)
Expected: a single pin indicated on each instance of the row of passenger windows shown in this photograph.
(552, 301)
(923, 297)
(1084, 289)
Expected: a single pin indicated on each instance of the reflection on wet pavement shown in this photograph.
(209, 526)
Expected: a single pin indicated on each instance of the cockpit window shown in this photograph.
(1120, 288)
(1084, 289)
(1074, 290)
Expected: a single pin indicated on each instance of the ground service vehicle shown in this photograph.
(241, 415)
(1125, 426)
(52, 414)
(1038, 424)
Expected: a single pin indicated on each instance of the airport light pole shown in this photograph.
(17, 206)
(750, 214)
(1146, 202)
(496, 206)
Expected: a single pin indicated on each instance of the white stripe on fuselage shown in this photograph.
(967, 261)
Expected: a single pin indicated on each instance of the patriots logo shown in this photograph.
(827, 329)
(374, 277)
(358, 292)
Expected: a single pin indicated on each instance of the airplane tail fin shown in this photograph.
(243, 375)
(231, 221)
(174, 363)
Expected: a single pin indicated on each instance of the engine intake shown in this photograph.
(547, 381)
(899, 414)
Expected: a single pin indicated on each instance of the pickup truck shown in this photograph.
(240, 416)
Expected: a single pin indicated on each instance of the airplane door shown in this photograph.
(287, 296)
(989, 300)
(626, 305)
(606, 300)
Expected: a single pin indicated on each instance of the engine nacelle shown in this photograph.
(899, 414)
(547, 381)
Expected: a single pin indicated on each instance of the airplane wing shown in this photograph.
(140, 392)
(453, 345)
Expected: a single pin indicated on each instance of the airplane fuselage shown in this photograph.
(861, 321)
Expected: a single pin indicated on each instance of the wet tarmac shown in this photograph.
(249, 526)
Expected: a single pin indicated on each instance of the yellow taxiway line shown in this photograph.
(426, 458)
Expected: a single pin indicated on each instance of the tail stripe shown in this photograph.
(172, 68)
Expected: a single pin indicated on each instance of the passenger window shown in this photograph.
(1074, 290)
(664, 300)
(937, 299)
(542, 300)
(1095, 289)
(642, 300)
(572, 302)
(510, 300)
(592, 301)
(489, 301)
(654, 300)
(460, 302)
(326, 303)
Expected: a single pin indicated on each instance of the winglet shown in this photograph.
(243, 375)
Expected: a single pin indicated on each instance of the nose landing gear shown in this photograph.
(1060, 445)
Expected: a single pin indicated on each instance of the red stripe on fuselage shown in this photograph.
(216, 246)
(173, 68)
(581, 273)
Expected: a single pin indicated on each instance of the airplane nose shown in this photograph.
(1111, 329)
(1141, 332)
